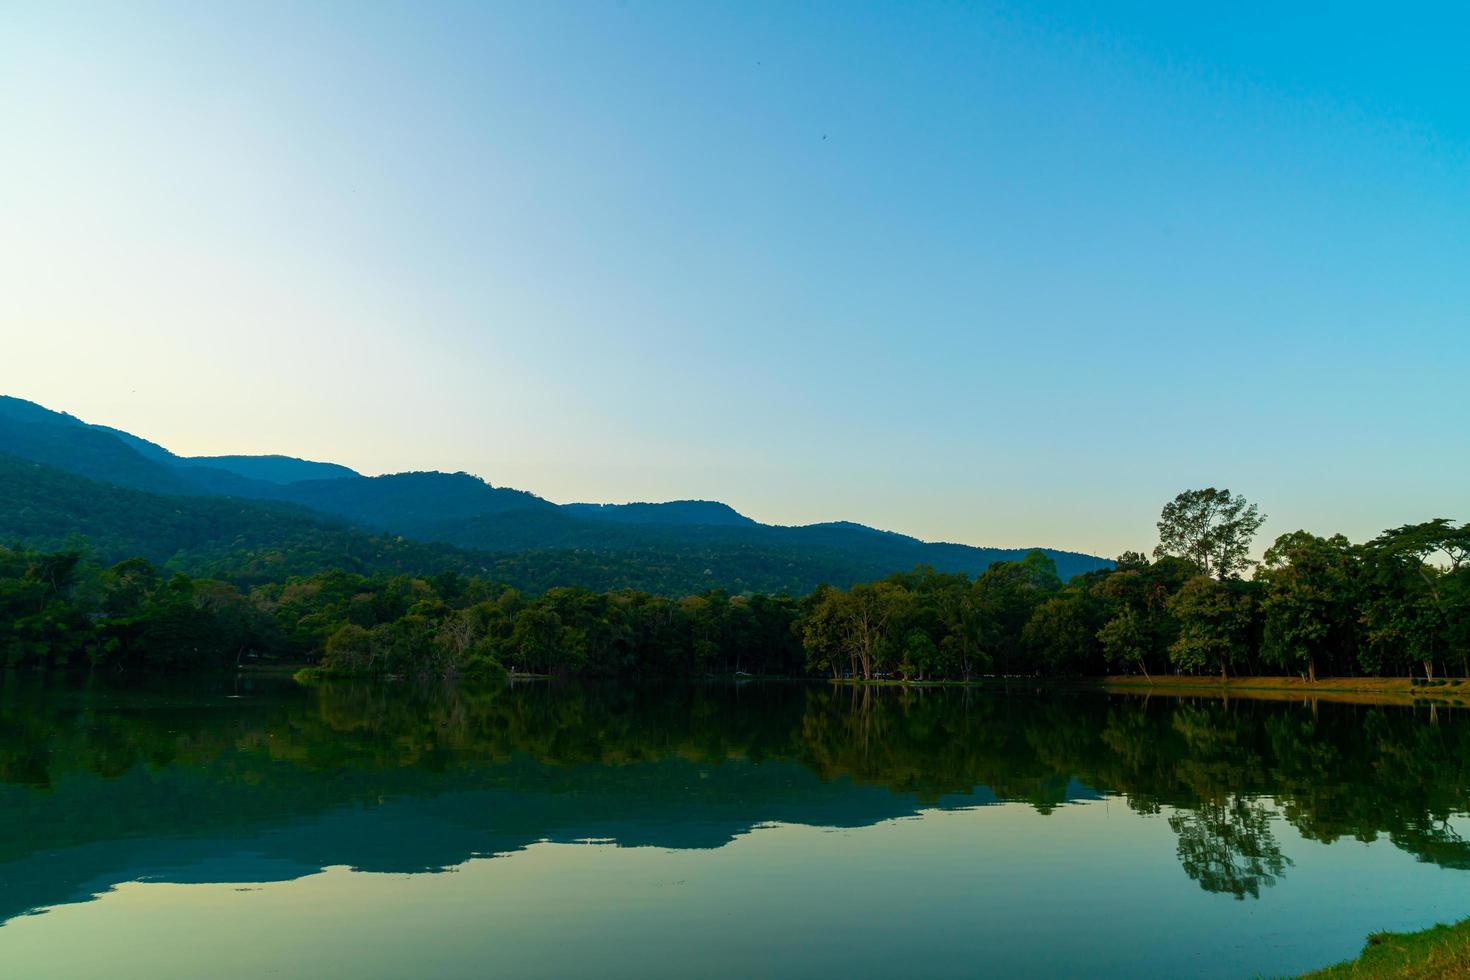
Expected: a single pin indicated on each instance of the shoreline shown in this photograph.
(1438, 951)
(1448, 691)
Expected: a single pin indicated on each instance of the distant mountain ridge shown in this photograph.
(270, 469)
(669, 512)
(697, 543)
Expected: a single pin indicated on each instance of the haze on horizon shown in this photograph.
(1003, 274)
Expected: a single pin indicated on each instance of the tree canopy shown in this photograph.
(1212, 528)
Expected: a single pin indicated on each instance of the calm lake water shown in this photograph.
(225, 828)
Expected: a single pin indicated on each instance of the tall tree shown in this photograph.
(1212, 528)
(1308, 604)
(1420, 603)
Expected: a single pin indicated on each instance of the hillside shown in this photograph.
(31, 432)
(851, 552)
(269, 469)
(243, 541)
(408, 503)
(671, 547)
(669, 512)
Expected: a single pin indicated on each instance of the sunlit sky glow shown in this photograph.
(999, 274)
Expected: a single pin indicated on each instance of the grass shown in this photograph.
(1366, 690)
(1429, 954)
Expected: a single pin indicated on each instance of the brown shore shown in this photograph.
(1447, 691)
(1453, 691)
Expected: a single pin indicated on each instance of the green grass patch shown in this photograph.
(1438, 952)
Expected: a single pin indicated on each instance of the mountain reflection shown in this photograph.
(262, 780)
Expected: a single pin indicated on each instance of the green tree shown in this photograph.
(1214, 620)
(1005, 595)
(1061, 634)
(1212, 528)
(1419, 603)
(348, 651)
(920, 656)
(1124, 641)
(1308, 602)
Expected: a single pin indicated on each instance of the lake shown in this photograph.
(246, 827)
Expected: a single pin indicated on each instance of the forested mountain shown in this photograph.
(274, 468)
(860, 551)
(407, 503)
(31, 432)
(243, 541)
(670, 512)
(247, 542)
(671, 547)
(270, 469)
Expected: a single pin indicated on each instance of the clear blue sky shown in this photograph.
(1001, 274)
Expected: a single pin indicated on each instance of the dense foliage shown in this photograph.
(56, 610)
(1396, 605)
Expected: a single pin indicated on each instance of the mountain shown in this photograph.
(409, 502)
(249, 542)
(676, 546)
(852, 552)
(144, 448)
(276, 469)
(269, 469)
(670, 512)
(31, 432)
(400, 502)
(223, 537)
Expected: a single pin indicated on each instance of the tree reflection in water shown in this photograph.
(88, 762)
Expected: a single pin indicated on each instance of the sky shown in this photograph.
(1004, 274)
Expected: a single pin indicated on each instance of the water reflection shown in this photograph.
(260, 781)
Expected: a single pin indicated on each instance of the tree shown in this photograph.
(867, 610)
(1212, 528)
(1062, 633)
(536, 640)
(919, 655)
(822, 629)
(1214, 620)
(964, 628)
(1308, 602)
(1124, 642)
(126, 585)
(348, 651)
(1420, 609)
(1005, 595)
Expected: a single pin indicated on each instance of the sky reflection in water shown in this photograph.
(786, 829)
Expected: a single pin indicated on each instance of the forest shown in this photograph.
(1397, 605)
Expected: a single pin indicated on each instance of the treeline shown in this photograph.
(57, 610)
(1394, 606)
